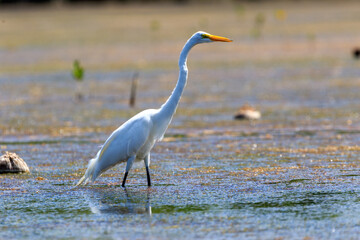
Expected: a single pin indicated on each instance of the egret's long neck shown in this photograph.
(168, 109)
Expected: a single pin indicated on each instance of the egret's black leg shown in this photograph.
(148, 176)
(147, 164)
(124, 179)
(129, 164)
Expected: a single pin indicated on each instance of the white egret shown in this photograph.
(134, 140)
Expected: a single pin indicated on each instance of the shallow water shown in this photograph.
(294, 174)
(285, 176)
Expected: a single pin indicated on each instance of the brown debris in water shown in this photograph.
(247, 112)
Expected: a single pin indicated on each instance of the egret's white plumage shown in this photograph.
(136, 137)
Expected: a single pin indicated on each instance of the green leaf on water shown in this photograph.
(78, 71)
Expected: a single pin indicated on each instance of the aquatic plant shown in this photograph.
(78, 75)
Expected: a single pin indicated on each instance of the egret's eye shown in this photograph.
(204, 35)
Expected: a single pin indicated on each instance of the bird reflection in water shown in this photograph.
(108, 201)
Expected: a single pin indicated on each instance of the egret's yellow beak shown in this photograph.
(218, 38)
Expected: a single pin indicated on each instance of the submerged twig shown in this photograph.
(134, 83)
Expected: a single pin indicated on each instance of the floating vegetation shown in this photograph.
(280, 14)
(155, 25)
(318, 150)
(259, 22)
(78, 75)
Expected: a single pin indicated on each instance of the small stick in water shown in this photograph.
(134, 83)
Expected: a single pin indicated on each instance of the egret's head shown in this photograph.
(203, 37)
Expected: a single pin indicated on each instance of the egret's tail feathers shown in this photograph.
(80, 181)
(90, 174)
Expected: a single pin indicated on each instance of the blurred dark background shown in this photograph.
(30, 2)
(15, 2)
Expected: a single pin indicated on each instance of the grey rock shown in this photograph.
(12, 163)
